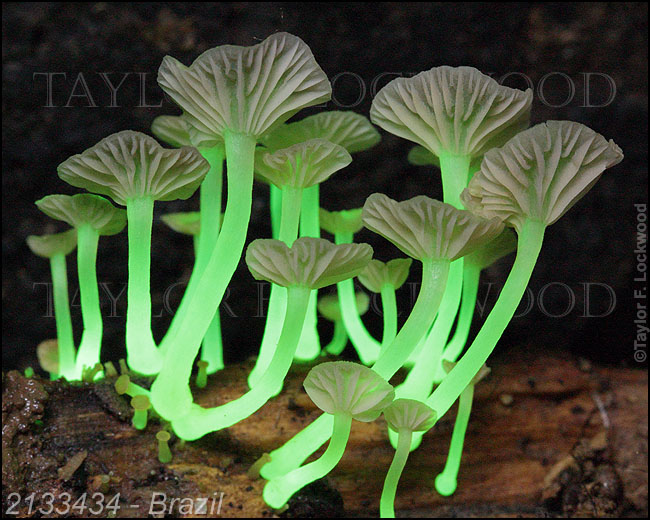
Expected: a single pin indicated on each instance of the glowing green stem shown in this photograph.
(64, 335)
(200, 421)
(276, 210)
(339, 340)
(366, 346)
(529, 244)
(279, 490)
(142, 353)
(170, 393)
(387, 502)
(389, 311)
(91, 339)
(212, 346)
(139, 420)
(288, 232)
(447, 480)
(419, 382)
(455, 346)
(304, 443)
(309, 346)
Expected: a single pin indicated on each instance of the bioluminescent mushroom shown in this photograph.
(343, 225)
(236, 94)
(56, 247)
(189, 223)
(293, 170)
(529, 183)
(310, 263)
(385, 278)
(345, 391)
(353, 132)
(110, 370)
(134, 170)
(164, 453)
(447, 480)
(140, 404)
(202, 373)
(330, 307)
(47, 353)
(404, 417)
(427, 230)
(123, 385)
(92, 216)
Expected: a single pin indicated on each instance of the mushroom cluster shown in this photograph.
(503, 184)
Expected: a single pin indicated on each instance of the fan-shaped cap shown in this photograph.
(129, 165)
(426, 228)
(342, 387)
(502, 245)
(246, 90)
(303, 164)
(540, 173)
(48, 246)
(309, 262)
(393, 273)
(350, 130)
(172, 130)
(409, 414)
(452, 110)
(330, 307)
(188, 223)
(345, 221)
(483, 372)
(47, 353)
(84, 209)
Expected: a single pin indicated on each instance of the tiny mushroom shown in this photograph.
(405, 417)
(140, 404)
(92, 216)
(345, 391)
(385, 278)
(164, 453)
(56, 247)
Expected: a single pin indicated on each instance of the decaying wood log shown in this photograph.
(549, 435)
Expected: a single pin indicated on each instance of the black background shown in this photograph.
(361, 47)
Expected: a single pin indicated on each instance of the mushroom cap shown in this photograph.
(247, 90)
(502, 245)
(540, 173)
(122, 384)
(187, 222)
(344, 221)
(409, 414)
(452, 110)
(350, 130)
(163, 436)
(301, 165)
(378, 273)
(129, 165)
(48, 246)
(426, 228)
(47, 353)
(330, 307)
(140, 402)
(350, 388)
(172, 130)
(483, 372)
(309, 262)
(84, 209)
